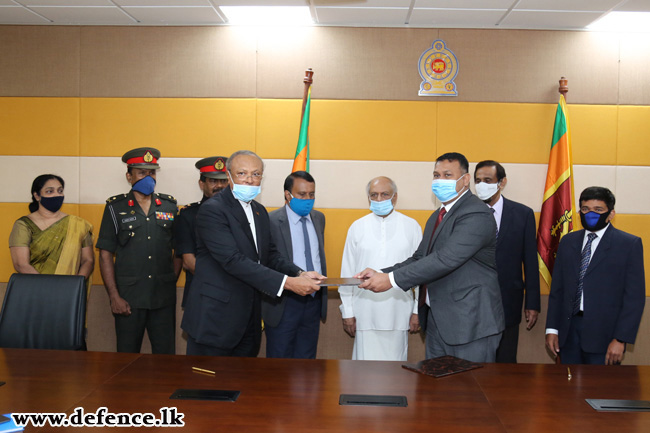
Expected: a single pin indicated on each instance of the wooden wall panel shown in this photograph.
(348, 63)
(167, 62)
(39, 61)
(525, 65)
(634, 86)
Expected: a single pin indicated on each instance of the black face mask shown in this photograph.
(593, 221)
(52, 204)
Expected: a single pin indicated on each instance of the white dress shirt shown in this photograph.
(248, 210)
(376, 242)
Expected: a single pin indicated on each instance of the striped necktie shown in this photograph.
(584, 264)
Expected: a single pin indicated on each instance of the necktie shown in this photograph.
(308, 260)
(423, 288)
(495, 220)
(584, 264)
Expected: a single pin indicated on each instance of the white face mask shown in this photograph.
(485, 191)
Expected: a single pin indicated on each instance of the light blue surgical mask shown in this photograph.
(445, 189)
(382, 208)
(245, 193)
(301, 206)
(145, 185)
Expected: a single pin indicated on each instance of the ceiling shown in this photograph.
(495, 14)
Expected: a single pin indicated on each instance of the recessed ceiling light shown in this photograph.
(268, 15)
(622, 22)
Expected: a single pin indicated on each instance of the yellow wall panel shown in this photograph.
(633, 135)
(93, 214)
(351, 130)
(593, 134)
(177, 127)
(503, 132)
(39, 126)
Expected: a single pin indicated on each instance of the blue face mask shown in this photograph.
(245, 193)
(382, 208)
(593, 221)
(301, 206)
(145, 185)
(445, 189)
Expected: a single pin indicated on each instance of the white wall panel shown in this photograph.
(339, 184)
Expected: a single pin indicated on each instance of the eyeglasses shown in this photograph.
(241, 175)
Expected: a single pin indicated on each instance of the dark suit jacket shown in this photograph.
(460, 273)
(517, 245)
(228, 279)
(613, 287)
(272, 308)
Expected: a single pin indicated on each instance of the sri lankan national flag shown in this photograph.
(556, 218)
(301, 160)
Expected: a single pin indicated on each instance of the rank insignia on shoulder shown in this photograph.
(115, 197)
(167, 216)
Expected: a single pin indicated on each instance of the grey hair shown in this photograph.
(393, 185)
(240, 153)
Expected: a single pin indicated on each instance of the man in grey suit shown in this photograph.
(292, 322)
(460, 300)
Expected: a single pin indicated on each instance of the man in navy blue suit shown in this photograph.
(292, 322)
(598, 289)
(516, 255)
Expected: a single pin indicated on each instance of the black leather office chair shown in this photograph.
(44, 312)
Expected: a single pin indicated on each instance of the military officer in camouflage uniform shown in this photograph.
(136, 258)
(213, 179)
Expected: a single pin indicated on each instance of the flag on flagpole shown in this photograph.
(301, 160)
(556, 218)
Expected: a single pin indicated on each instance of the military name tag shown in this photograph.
(128, 220)
(167, 216)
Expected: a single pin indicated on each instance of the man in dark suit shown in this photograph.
(516, 246)
(236, 263)
(292, 322)
(598, 289)
(460, 302)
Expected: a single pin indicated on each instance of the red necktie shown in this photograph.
(423, 287)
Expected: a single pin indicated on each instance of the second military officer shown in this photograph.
(213, 179)
(136, 258)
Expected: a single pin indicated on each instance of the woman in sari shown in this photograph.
(48, 241)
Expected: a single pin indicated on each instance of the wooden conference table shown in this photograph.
(297, 396)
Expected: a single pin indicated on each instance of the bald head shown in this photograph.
(382, 182)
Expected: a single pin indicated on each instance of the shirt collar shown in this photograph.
(293, 217)
(598, 233)
(386, 218)
(450, 205)
(498, 206)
